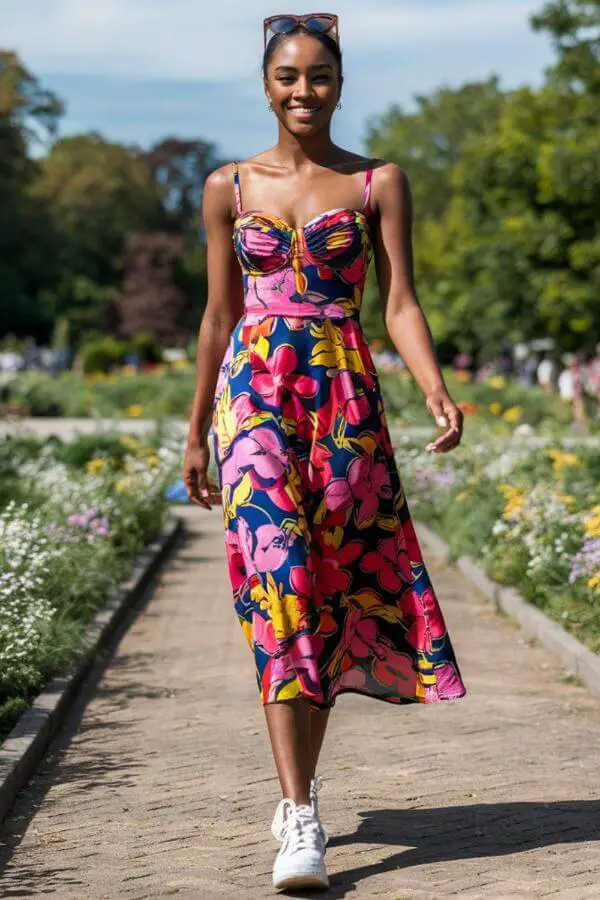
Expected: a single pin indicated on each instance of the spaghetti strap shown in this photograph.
(236, 188)
(367, 190)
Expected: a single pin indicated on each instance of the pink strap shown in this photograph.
(236, 188)
(367, 190)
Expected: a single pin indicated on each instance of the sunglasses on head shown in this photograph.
(317, 23)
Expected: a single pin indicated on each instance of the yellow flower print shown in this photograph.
(495, 408)
(330, 350)
(285, 610)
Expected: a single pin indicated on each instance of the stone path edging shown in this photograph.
(576, 657)
(28, 741)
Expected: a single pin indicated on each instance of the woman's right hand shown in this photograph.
(195, 468)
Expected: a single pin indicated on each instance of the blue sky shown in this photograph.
(139, 70)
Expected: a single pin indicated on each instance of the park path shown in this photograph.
(161, 784)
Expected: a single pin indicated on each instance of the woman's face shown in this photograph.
(302, 84)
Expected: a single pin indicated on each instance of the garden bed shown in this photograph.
(73, 517)
(529, 515)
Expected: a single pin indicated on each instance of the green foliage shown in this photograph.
(101, 355)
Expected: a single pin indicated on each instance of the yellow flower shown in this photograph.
(128, 371)
(95, 465)
(152, 460)
(592, 522)
(560, 459)
(594, 582)
(122, 484)
(497, 381)
(180, 364)
(134, 410)
(464, 376)
(495, 408)
(515, 498)
(566, 498)
(129, 441)
(512, 414)
(461, 496)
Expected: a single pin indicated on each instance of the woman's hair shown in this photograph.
(328, 42)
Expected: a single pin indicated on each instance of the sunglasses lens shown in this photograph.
(319, 23)
(282, 25)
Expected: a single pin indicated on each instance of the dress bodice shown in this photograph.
(317, 270)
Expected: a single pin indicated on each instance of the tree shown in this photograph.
(150, 300)
(27, 113)
(98, 192)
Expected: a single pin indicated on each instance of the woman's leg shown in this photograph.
(296, 735)
(318, 726)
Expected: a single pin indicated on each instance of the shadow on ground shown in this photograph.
(459, 832)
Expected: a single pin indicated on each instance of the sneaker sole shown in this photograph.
(300, 882)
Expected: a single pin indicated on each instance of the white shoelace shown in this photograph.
(301, 829)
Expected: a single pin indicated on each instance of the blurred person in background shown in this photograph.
(547, 372)
(593, 379)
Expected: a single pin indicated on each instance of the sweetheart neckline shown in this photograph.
(327, 212)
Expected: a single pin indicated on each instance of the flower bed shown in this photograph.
(531, 516)
(73, 516)
(168, 390)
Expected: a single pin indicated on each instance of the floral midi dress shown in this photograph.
(327, 574)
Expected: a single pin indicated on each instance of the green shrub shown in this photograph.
(102, 355)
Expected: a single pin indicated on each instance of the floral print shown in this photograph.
(328, 579)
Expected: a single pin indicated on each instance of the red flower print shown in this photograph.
(394, 669)
(368, 481)
(428, 621)
(271, 377)
(354, 404)
(390, 563)
(330, 575)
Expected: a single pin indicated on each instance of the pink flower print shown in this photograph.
(330, 575)
(299, 661)
(271, 550)
(242, 408)
(368, 481)
(269, 288)
(338, 495)
(448, 682)
(354, 405)
(263, 633)
(271, 377)
(265, 550)
(427, 619)
(390, 563)
(259, 453)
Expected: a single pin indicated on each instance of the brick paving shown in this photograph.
(162, 783)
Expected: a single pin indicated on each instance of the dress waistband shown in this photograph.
(255, 315)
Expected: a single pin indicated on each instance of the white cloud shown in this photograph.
(190, 39)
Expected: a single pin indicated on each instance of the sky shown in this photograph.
(141, 70)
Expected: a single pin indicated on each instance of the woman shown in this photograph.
(327, 574)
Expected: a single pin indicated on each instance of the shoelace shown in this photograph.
(301, 829)
(315, 787)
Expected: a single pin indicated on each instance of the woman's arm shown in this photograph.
(224, 307)
(225, 299)
(402, 314)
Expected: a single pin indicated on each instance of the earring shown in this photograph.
(339, 106)
(270, 105)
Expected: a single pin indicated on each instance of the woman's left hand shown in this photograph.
(446, 413)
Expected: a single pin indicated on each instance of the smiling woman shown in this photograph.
(327, 575)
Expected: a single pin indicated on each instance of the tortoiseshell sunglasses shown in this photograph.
(318, 23)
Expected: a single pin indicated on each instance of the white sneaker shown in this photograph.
(276, 826)
(315, 785)
(300, 863)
